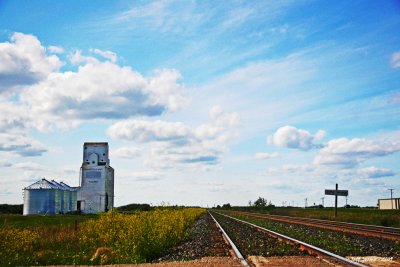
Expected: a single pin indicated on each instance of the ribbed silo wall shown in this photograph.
(58, 200)
(66, 202)
(73, 200)
(39, 201)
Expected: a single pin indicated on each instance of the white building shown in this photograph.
(389, 204)
(96, 191)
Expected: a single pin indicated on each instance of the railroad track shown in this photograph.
(302, 246)
(362, 229)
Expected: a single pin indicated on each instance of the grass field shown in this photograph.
(389, 218)
(98, 239)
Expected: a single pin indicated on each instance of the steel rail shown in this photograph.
(235, 249)
(380, 231)
(303, 245)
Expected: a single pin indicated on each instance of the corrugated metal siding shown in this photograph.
(39, 201)
(49, 197)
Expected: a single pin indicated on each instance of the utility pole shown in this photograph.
(391, 196)
(323, 201)
(305, 204)
(336, 200)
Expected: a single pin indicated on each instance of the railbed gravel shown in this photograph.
(203, 240)
(251, 241)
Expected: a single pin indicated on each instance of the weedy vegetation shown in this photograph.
(108, 238)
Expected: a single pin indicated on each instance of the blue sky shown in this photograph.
(204, 102)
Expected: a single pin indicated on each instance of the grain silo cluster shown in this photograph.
(49, 197)
(94, 194)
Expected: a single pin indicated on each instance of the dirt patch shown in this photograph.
(204, 262)
(290, 261)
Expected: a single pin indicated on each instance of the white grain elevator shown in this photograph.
(96, 192)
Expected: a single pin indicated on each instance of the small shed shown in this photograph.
(389, 204)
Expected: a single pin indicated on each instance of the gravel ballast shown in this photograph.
(203, 240)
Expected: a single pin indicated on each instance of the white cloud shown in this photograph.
(21, 145)
(4, 163)
(101, 90)
(55, 49)
(13, 118)
(126, 152)
(265, 155)
(29, 166)
(291, 137)
(146, 131)
(15, 121)
(176, 145)
(23, 61)
(373, 172)
(146, 176)
(106, 54)
(289, 169)
(77, 58)
(395, 60)
(347, 153)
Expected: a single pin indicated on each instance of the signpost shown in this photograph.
(336, 193)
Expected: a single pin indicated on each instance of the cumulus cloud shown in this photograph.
(373, 172)
(14, 125)
(395, 60)
(126, 152)
(101, 90)
(13, 118)
(97, 89)
(21, 145)
(292, 137)
(264, 155)
(347, 153)
(24, 61)
(175, 144)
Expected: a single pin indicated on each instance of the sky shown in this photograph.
(204, 102)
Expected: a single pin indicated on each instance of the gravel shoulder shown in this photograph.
(203, 240)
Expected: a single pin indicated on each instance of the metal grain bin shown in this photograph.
(39, 198)
(47, 197)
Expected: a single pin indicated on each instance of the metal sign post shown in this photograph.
(336, 193)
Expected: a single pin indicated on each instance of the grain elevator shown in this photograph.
(96, 181)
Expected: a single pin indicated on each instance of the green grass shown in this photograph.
(19, 221)
(388, 218)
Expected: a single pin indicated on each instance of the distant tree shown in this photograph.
(260, 203)
(11, 209)
(226, 206)
(218, 206)
(134, 207)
